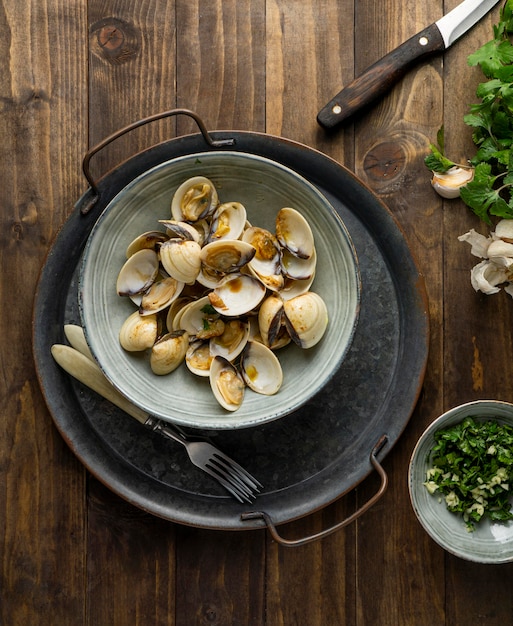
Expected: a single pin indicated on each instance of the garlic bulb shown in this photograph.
(448, 185)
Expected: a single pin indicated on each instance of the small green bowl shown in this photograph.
(490, 542)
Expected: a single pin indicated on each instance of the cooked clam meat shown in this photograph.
(226, 383)
(194, 199)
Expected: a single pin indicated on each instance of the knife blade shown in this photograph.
(382, 75)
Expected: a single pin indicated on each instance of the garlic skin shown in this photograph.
(496, 268)
(448, 185)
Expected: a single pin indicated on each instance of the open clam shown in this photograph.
(226, 383)
(228, 221)
(294, 232)
(273, 331)
(160, 295)
(138, 272)
(194, 199)
(198, 358)
(232, 341)
(266, 263)
(150, 239)
(261, 369)
(238, 294)
(226, 255)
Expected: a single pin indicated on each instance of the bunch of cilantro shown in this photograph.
(472, 463)
(490, 192)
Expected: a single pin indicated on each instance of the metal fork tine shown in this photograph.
(246, 480)
(232, 478)
(241, 497)
(241, 472)
(226, 471)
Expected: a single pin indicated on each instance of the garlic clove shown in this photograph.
(448, 185)
(485, 277)
(504, 230)
(501, 253)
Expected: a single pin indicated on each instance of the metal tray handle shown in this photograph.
(152, 118)
(348, 520)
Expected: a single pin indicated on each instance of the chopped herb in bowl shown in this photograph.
(471, 468)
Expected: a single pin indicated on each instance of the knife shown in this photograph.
(381, 76)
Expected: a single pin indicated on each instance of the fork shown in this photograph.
(211, 460)
(77, 361)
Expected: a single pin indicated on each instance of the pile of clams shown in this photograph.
(220, 294)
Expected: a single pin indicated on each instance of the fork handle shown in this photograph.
(348, 520)
(165, 429)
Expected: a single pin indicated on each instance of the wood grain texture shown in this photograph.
(473, 323)
(392, 140)
(42, 499)
(74, 71)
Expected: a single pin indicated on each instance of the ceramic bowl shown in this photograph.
(264, 187)
(490, 542)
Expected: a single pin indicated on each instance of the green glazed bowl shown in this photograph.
(490, 542)
(264, 187)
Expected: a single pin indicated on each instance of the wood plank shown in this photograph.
(132, 53)
(314, 584)
(309, 55)
(473, 324)
(220, 577)
(309, 58)
(391, 141)
(221, 63)
(220, 75)
(41, 491)
(131, 564)
(131, 571)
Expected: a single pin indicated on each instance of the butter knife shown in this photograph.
(381, 76)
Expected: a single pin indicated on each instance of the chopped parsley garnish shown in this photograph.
(471, 468)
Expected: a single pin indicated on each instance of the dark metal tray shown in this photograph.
(305, 460)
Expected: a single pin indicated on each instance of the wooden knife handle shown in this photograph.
(381, 76)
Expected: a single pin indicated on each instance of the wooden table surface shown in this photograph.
(74, 71)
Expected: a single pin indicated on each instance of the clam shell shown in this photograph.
(194, 199)
(298, 268)
(233, 340)
(198, 358)
(238, 294)
(266, 264)
(306, 318)
(138, 272)
(261, 369)
(200, 320)
(138, 333)
(160, 295)
(227, 255)
(169, 352)
(228, 221)
(150, 239)
(294, 232)
(270, 323)
(227, 383)
(181, 230)
(181, 259)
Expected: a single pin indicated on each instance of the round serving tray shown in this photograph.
(305, 460)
